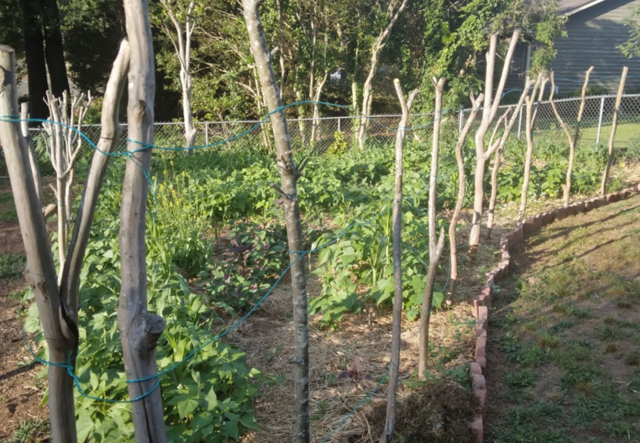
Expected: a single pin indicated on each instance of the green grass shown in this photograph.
(11, 266)
(563, 324)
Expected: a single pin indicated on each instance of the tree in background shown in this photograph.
(44, 52)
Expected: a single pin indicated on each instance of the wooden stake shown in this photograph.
(139, 330)
(614, 126)
(435, 249)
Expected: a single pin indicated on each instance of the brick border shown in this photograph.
(481, 304)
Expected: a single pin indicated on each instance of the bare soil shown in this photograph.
(21, 391)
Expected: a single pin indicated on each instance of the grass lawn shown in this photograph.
(564, 339)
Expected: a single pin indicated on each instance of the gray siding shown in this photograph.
(592, 38)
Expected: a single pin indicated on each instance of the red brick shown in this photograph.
(475, 368)
(561, 213)
(478, 382)
(578, 208)
(548, 217)
(614, 197)
(483, 313)
(481, 324)
(490, 282)
(516, 236)
(481, 333)
(477, 427)
(528, 225)
(482, 397)
(475, 303)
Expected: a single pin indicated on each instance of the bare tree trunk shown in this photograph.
(70, 279)
(435, 250)
(381, 40)
(462, 181)
(394, 363)
(529, 154)
(59, 328)
(491, 104)
(139, 330)
(289, 174)
(573, 141)
(53, 48)
(498, 157)
(614, 126)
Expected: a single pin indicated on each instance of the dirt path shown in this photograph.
(564, 339)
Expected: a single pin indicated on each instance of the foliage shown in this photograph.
(631, 47)
(339, 145)
(11, 265)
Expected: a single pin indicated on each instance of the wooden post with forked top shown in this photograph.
(614, 126)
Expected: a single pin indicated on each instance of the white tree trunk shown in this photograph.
(529, 153)
(139, 330)
(491, 104)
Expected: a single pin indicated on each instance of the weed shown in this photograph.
(610, 333)
(11, 265)
(611, 348)
(523, 378)
(30, 430)
(609, 320)
(561, 326)
(623, 304)
(548, 341)
(633, 359)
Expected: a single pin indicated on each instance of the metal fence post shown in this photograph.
(339, 125)
(520, 124)
(206, 133)
(600, 120)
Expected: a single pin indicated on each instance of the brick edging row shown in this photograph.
(482, 302)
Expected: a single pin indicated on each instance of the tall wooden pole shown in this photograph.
(59, 327)
(614, 126)
(394, 370)
(289, 174)
(139, 330)
(435, 249)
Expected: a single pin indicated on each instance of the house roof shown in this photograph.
(570, 7)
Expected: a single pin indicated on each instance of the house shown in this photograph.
(595, 28)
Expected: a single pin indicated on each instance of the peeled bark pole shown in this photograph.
(498, 159)
(612, 136)
(489, 111)
(394, 371)
(289, 174)
(59, 330)
(529, 154)
(139, 330)
(573, 141)
(435, 250)
(462, 182)
(70, 278)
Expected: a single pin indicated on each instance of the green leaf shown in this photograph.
(212, 400)
(84, 426)
(187, 406)
(438, 298)
(232, 429)
(249, 421)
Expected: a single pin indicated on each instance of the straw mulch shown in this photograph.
(267, 339)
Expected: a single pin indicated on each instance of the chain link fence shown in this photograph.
(325, 133)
